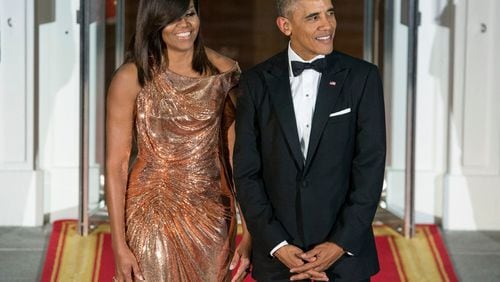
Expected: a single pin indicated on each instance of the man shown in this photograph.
(310, 154)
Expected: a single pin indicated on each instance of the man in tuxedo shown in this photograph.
(310, 154)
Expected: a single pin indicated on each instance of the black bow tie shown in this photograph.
(317, 65)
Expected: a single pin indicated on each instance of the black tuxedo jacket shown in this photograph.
(330, 196)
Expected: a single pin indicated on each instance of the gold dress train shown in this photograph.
(180, 215)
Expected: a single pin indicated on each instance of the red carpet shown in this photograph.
(74, 258)
(423, 258)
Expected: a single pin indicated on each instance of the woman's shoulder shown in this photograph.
(126, 72)
(125, 80)
(221, 62)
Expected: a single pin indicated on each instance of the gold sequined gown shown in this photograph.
(180, 221)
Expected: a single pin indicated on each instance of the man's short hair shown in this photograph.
(284, 7)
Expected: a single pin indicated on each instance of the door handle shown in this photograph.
(9, 24)
(0, 40)
(484, 28)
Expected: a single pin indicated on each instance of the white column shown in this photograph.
(472, 190)
(59, 110)
(20, 190)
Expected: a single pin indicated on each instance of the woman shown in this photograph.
(173, 215)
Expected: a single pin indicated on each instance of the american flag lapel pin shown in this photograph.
(333, 83)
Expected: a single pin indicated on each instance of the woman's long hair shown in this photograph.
(147, 48)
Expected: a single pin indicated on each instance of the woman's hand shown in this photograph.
(242, 256)
(126, 266)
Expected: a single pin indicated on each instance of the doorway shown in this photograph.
(377, 31)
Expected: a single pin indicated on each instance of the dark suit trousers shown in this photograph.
(288, 280)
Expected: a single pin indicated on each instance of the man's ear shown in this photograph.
(284, 25)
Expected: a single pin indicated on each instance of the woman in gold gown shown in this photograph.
(172, 213)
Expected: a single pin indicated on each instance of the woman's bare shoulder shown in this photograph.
(127, 73)
(221, 62)
(125, 81)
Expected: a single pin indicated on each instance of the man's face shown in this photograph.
(311, 26)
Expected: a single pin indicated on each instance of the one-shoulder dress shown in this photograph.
(180, 210)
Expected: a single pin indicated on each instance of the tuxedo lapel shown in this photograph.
(277, 79)
(329, 89)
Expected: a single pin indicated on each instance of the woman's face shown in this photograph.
(181, 34)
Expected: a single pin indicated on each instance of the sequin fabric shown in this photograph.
(180, 221)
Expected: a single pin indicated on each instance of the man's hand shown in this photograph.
(325, 255)
(291, 256)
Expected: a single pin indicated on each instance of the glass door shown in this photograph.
(92, 62)
(390, 41)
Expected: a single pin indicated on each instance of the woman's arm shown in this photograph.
(121, 99)
(241, 255)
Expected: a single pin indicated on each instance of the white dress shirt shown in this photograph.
(304, 92)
